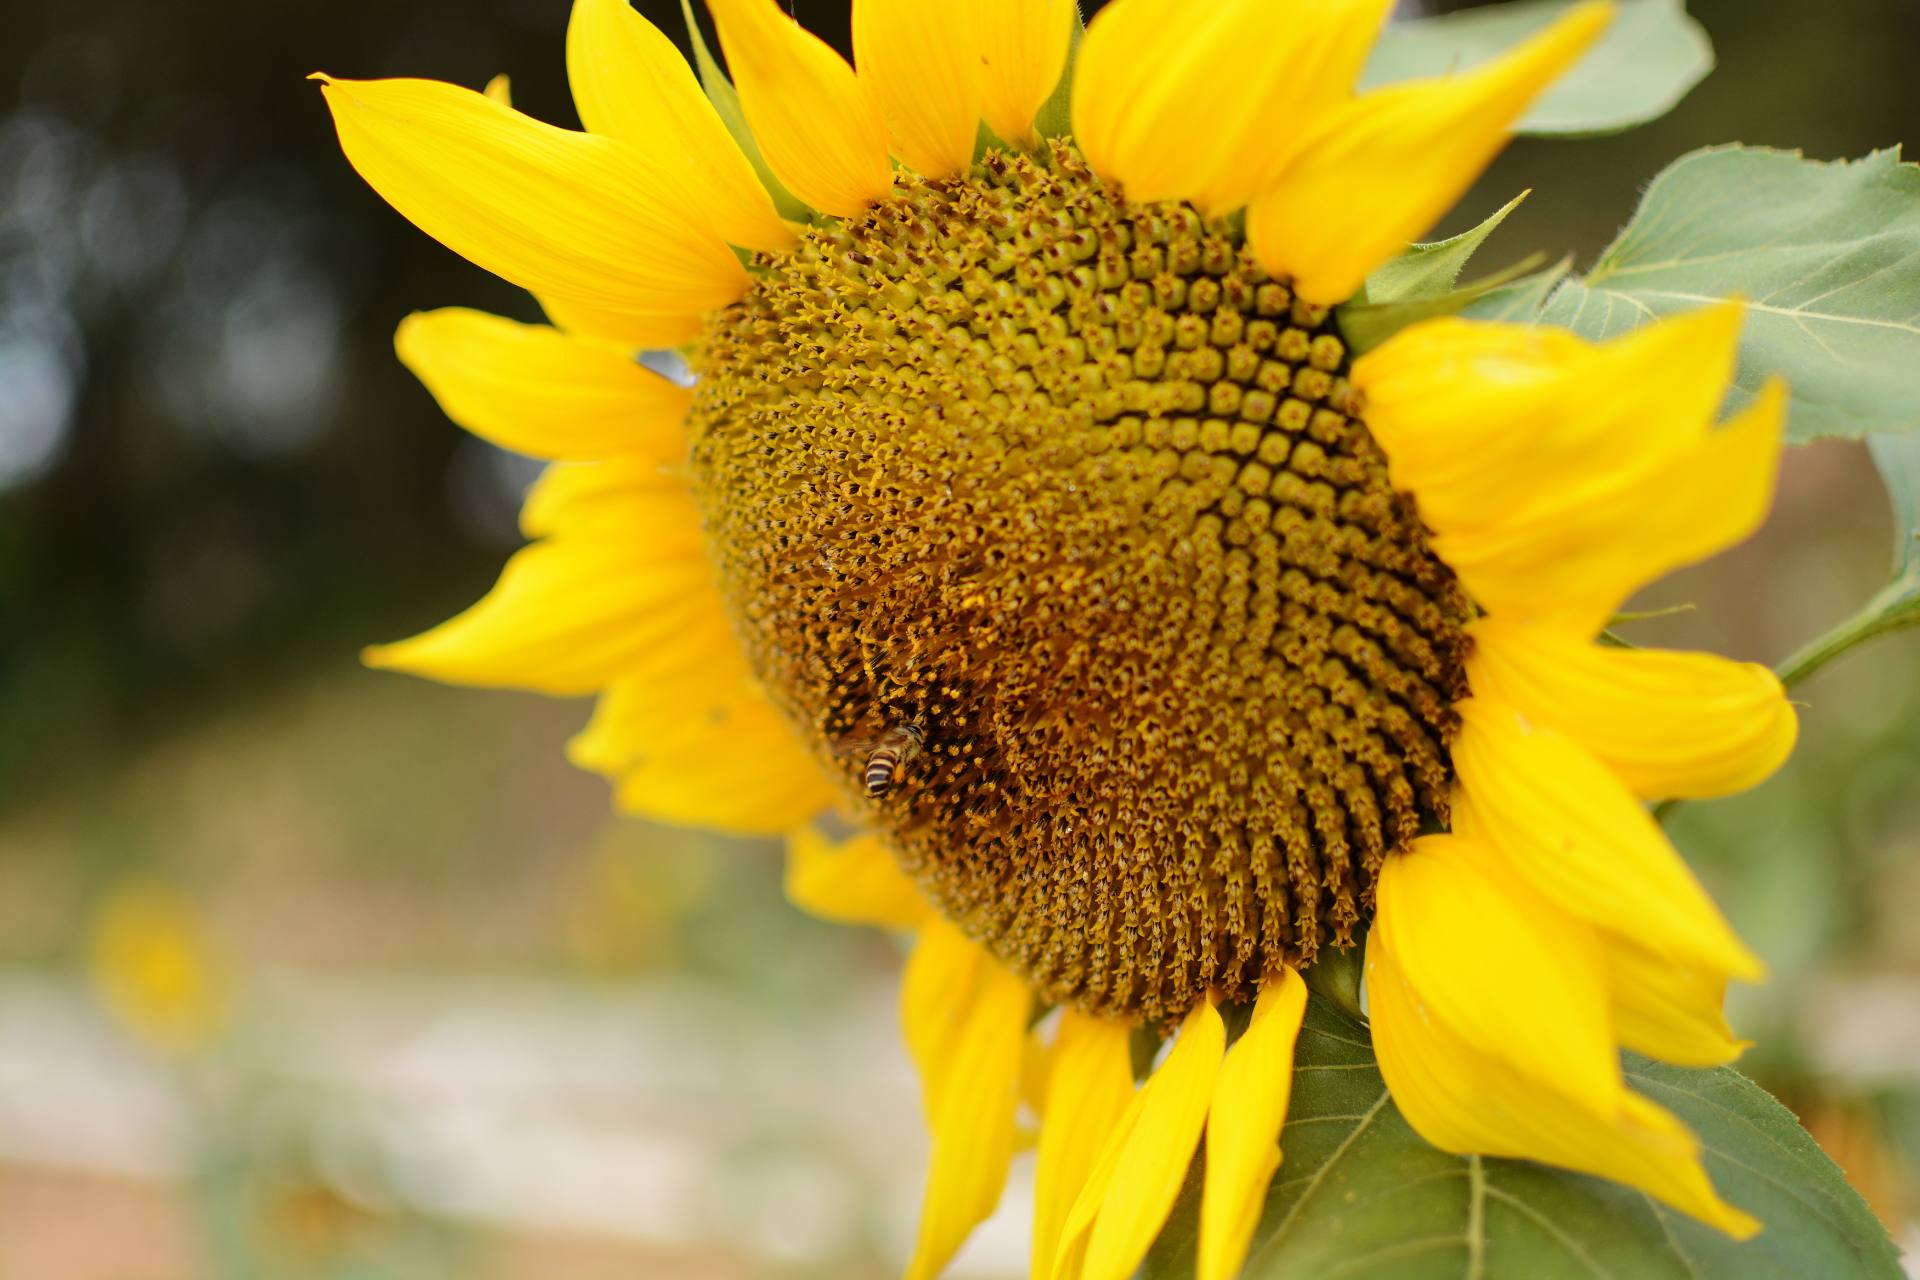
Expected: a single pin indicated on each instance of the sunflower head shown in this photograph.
(1048, 479)
(1028, 508)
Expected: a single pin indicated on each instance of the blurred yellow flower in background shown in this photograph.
(1028, 509)
(158, 970)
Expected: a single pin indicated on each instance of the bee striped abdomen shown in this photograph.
(882, 765)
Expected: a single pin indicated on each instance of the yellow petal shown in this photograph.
(532, 389)
(621, 568)
(567, 617)
(920, 62)
(630, 82)
(1089, 1086)
(1573, 557)
(1499, 966)
(1179, 103)
(500, 89)
(973, 1119)
(1464, 1100)
(1243, 1126)
(1381, 170)
(1136, 1190)
(1023, 53)
(687, 736)
(1666, 1010)
(628, 498)
(617, 330)
(853, 881)
(1578, 836)
(818, 128)
(940, 979)
(1479, 420)
(1666, 723)
(568, 215)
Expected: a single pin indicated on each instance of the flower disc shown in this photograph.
(1066, 508)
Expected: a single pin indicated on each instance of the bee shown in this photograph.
(888, 756)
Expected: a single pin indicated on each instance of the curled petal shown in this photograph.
(1128, 1195)
(1667, 724)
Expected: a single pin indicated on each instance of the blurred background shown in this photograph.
(307, 971)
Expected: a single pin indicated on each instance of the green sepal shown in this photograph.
(1054, 119)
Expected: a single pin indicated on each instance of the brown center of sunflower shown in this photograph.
(1050, 518)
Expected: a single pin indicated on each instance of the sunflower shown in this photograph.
(1026, 510)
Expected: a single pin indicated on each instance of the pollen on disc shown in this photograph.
(1071, 490)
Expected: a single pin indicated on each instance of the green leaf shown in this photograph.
(1365, 325)
(726, 104)
(1648, 60)
(1827, 253)
(1430, 270)
(1359, 1196)
(1519, 301)
(1898, 458)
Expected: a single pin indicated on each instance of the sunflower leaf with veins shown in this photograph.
(1828, 255)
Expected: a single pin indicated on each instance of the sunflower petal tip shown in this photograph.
(381, 657)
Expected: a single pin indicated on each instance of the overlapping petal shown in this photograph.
(630, 82)
(1207, 104)
(854, 881)
(1665, 723)
(818, 127)
(1379, 171)
(570, 615)
(1573, 555)
(1482, 419)
(687, 736)
(1574, 832)
(1243, 1126)
(920, 62)
(1482, 943)
(532, 389)
(1023, 53)
(1467, 1095)
(965, 1017)
(1667, 1009)
(1131, 1189)
(1089, 1087)
(572, 216)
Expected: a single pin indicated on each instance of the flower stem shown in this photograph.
(1890, 610)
